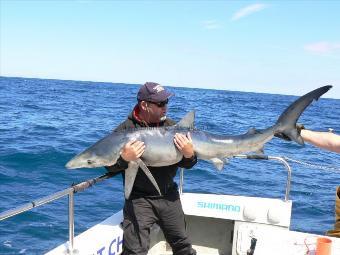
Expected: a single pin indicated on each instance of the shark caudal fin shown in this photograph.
(286, 124)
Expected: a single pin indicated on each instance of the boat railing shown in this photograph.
(86, 184)
(254, 157)
(47, 199)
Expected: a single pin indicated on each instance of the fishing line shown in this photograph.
(312, 165)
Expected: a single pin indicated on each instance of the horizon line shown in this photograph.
(136, 84)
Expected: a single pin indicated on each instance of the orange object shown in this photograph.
(323, 246)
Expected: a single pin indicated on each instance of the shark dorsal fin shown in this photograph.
(187, 121)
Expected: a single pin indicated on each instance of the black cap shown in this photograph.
(153, 92)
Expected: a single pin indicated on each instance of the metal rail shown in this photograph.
(66, 192)
(258, 157)
(86, 184)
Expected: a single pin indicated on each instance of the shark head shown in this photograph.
(84, 160)
(105, 152)
(92, 158)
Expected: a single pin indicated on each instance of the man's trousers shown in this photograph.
(139, 216)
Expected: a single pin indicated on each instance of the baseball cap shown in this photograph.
(153, 92)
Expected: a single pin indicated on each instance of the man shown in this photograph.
(145, 206)
(331, 142)
(325, 140)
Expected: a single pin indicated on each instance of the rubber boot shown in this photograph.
(336, 231)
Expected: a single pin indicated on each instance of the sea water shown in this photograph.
(44, 123)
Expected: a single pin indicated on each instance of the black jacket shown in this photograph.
(164, 176)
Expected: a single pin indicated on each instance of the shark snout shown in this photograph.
(80, 161)
(71, 164)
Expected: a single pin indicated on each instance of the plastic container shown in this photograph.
(323, 246)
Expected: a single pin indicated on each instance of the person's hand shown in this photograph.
(184, 144)
(132, 150)
(299, 127)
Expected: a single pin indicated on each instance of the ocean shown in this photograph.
(44, 123)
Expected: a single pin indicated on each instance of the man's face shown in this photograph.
(156, 111)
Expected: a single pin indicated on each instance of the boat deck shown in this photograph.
(216, 224)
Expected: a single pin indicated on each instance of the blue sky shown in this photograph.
(264, 46)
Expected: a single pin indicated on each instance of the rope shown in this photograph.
(312, 165)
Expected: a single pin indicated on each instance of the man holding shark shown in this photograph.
(146, 205)
(148, 148)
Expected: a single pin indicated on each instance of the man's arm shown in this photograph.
(325, 140)
(131, 151)
(185, 146)
(117, 168)
(188, 163)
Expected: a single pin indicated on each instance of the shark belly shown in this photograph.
(160, 150)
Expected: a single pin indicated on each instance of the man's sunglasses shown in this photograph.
(160, 104)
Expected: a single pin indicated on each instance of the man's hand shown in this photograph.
(184, 144)
(132, 150)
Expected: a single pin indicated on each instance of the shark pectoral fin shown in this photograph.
(218, 163)
(148, 174)
(130, 176)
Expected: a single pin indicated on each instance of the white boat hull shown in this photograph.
(216, 224)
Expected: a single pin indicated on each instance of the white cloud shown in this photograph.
(322, 47)
(210, 24)
(248, 10)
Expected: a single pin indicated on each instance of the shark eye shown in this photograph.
(89, 162)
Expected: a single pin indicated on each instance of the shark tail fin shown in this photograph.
(286, 124)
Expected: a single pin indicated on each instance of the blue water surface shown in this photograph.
(44, 123)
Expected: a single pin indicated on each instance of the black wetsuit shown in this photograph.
(146, 207)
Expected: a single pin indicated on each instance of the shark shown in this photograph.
(216, 148)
